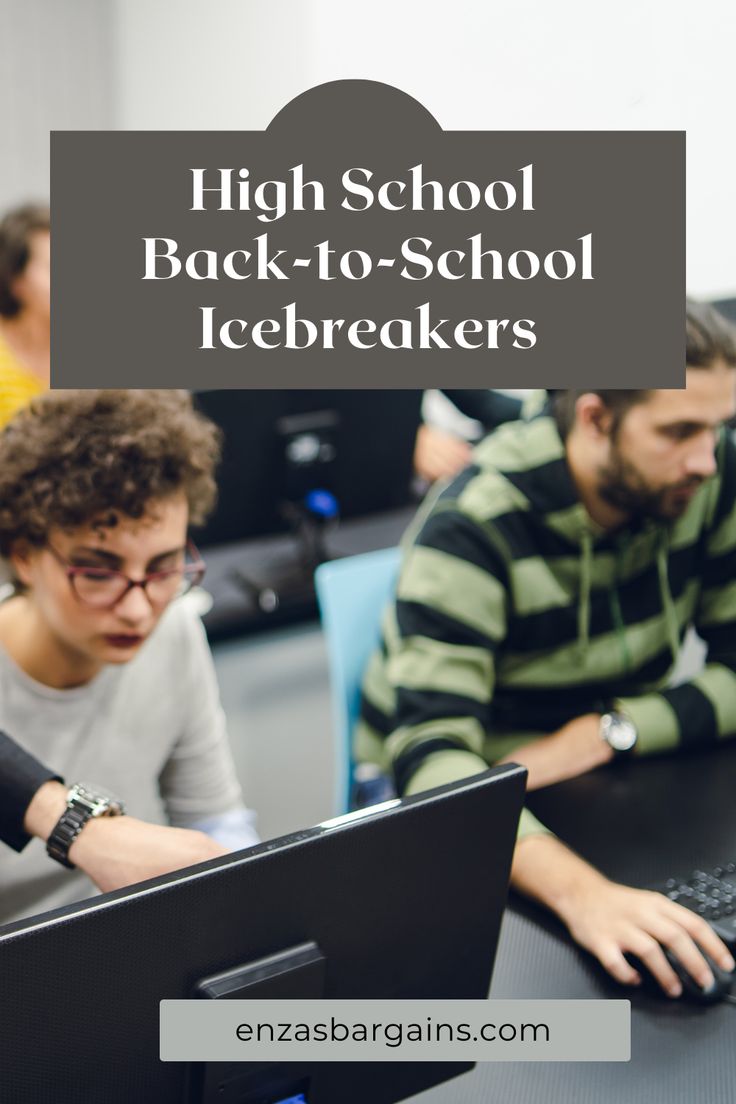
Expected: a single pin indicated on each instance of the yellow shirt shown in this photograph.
(17, 385)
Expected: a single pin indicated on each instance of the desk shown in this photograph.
(639, 822)
(235, 611)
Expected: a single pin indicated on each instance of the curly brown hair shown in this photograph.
(73, 457)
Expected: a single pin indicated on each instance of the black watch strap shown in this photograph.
(83, 803)
(67, 828)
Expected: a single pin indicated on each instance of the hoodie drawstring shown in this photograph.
(584, 602)
(586, 582)
(668, 602)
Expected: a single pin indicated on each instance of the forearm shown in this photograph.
(548, 872)
(47, 805)
(117, 851)
(432, 760)
(86, 852)
(574, 749)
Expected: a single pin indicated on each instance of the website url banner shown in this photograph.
(395, 1030)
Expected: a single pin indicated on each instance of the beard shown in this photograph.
(621, 484)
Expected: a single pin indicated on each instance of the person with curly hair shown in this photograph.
(25, 313)
(104, 674)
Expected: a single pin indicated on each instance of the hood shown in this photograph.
(531, 458)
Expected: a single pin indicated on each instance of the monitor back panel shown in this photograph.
(405, 903)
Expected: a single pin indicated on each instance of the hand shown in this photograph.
(610, 919)
(439, 455)
(117, 851)
(574, 749)
(615, 918)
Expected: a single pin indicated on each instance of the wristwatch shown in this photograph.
(619, 732)
(82, 803)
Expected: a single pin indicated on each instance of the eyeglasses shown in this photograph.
(101, 588)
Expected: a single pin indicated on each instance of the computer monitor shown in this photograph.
(400, 901)
(727, 308)
(281, 445)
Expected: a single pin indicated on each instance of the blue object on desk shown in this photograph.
(322, 504)
(352, 594)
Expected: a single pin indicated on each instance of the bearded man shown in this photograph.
(541, 607)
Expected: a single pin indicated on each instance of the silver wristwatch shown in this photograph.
(82, 803)
(619, 732)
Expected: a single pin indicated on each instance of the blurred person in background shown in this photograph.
(454, 420)
(24, 307)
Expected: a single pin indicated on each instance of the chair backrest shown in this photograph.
(352, 594)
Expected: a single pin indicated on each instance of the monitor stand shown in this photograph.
(288, 583)
(296, 973)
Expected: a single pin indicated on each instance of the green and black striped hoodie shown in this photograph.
(515, 613)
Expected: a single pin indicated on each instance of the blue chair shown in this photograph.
(352, 594)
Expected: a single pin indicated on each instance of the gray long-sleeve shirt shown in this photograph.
(151, 731)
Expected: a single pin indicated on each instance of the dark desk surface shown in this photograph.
(640, 823)
(235, 611)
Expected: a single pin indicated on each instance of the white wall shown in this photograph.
(710, 121)
(218, 65)
(528, 64)
(505, 64)
(508, 64)
(55, 74)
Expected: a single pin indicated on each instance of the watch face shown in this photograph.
(619, 732)
(97, 801)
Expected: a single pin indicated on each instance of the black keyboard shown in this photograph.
(711, 894)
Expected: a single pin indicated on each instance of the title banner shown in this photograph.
(354, 243)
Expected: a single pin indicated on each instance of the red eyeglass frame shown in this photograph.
(193, 571)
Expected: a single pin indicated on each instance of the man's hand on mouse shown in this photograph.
(614, 919)
(609, 919)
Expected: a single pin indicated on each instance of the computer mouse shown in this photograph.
(722, 980)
